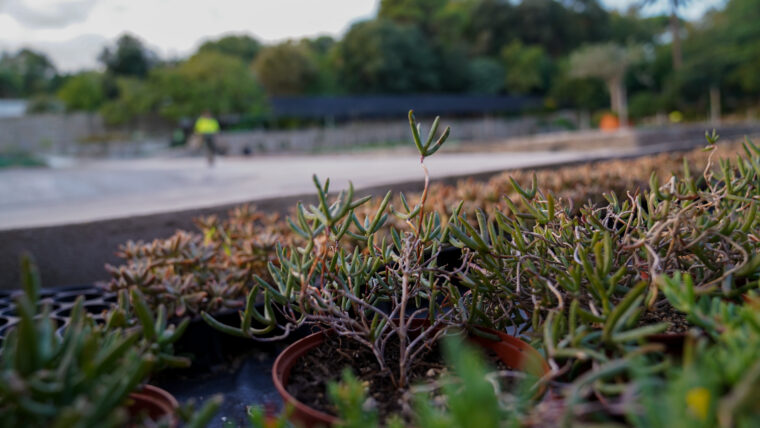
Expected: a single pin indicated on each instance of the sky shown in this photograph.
(73, 32)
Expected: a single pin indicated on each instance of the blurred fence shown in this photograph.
(83, 134)
(370, 133)
(80, 134)
(87, 135)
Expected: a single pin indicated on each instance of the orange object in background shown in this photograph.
(609, 122)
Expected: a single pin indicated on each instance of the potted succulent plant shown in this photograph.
(90, 374)
(593, 287)
(209, 270)
(377, 296)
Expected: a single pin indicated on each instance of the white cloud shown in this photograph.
(47, 13)
(176, 27)
(71, 54)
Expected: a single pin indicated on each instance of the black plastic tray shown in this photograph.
(238, 368)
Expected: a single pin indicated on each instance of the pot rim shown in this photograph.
(288, 357)
(281, 374)
(159, 398)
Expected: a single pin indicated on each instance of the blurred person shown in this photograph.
(675, 116)
(207, 127)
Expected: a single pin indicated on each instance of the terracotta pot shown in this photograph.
(153, 402)
(510, 350)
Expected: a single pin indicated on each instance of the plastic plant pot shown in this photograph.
(511, 351)
(154, 403)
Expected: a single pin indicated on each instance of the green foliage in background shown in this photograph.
(19, 158)
(208, 80)
(129, 57)
(83, 92)
(441, 46)
(242, 46)
(486, 76)
(528, 68)
(136, 97)
(26, 73)
(286, 69)
(381, 56)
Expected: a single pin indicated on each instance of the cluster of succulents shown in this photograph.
(581, 277)
(344, 277)
(592, 285)
(209, 270)
(81, 375)
(212, 269)
(588, 288)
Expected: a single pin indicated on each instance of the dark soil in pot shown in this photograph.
(325, 363)
(303, 371)
(674, 336)
(676, 320)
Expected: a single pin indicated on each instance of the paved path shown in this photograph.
(97, 190)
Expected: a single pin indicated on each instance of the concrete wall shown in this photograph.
(81, 134)
(690, 134)
(84, 134)
(357, 134)
(48, 132)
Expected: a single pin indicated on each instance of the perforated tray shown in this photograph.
(60, 301)
(240, 369)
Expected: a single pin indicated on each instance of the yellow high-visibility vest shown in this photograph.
(206, 125)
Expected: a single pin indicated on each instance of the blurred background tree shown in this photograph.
(528, 68)
(381, 56)
(83, 91)
(486, 76)
(26, 73)
(522, 47)
(608, 62)
(128, 58)
(241, 46)
(418, 13)
(136, 97)
(286, 69)
(675, 27)
(220, 83)
(323, 53)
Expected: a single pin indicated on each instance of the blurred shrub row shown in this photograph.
(428, 46)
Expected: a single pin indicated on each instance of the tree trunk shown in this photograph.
(612, 86)
(623, 108)
(714, 105)
(675, 34)
(618, 100)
